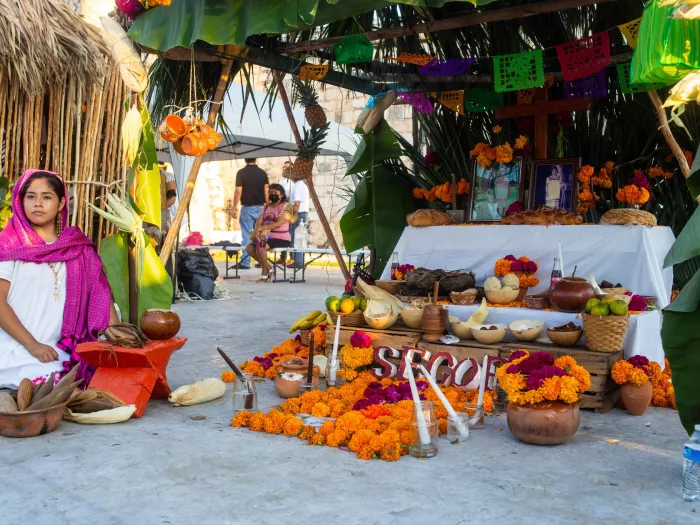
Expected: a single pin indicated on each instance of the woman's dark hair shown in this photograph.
(280, 189)
(55, 183)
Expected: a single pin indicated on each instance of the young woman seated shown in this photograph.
(272, 230)
(53, 291)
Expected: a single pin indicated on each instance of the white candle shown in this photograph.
(420, 416)
(561, 262)
(482, 384)
(334, 355)
(464, 431)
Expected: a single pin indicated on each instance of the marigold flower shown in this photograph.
(637, 376)
(479, 149)
(462, 187)
(429, 195)
(320, 410)
(520, 142)
(257, 422)
(228, 377)
(491, 154)
(242, 419)
(292, 427)
(337, 438)
(655, 172)
(308, 432)
(585, 173)
(504, 153)
(502, 267)
(418, 193)
(497, 129)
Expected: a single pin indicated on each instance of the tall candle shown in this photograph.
(310, 370)
(334, 355)
(420, 416)
(482, 383)
(464, 431)
(561, 262)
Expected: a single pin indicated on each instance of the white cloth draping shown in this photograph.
(631, 255)
(643, 332)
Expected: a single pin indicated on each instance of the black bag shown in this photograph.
(197, 272)
(199, 286)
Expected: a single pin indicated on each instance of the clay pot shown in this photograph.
(195, 144)
(546, 423)
(570, 294)
(172, 128)
(213, 137)
(434, 322)
(160, 325)
(636, 398)
(290, 374)
(521, 295)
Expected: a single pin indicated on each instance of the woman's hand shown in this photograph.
(43, 353)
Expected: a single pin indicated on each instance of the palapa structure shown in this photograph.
(61, 103)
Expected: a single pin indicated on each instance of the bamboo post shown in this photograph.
(194, 171)
(666, 131)
(309, 182)
(131, 255)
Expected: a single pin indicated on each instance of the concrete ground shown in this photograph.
(174, 468)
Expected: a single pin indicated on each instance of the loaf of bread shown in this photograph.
(628, 216)
(428, 218)
(543, 215)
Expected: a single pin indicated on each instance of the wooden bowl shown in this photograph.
(502, 296)
(32, 423)
(530, 333)
(565, 338)
(389, 286)
(160, 325)
(489, 337)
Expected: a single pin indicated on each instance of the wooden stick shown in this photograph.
(169, 242)
(310, 184)
(457, 22)
(668, 135)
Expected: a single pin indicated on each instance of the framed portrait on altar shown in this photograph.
(554, 184)
(494, 189)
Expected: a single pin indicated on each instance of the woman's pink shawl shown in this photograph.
(88, 295)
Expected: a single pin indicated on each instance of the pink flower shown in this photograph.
(531, 267)
(638, 361)
(510, 258)
(431, 159)
(360, 340)
(537, 377)
(638, 304)
(517, 266)
(640, 180)
(517, 354)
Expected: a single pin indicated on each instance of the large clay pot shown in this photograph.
(570, 294)
(546, 423)
(172, 128)
(290, 374)
(160, 325)
(636, 398)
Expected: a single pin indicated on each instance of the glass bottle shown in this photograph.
(556, 272)
(416, 447)
(394, 265)
(245, 397)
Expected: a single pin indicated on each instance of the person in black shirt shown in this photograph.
(252, 187)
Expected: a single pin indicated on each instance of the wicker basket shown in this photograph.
(305, 337)
(605, 334)
(537, 302)
(353, 319)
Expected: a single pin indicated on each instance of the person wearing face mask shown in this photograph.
(272, 230)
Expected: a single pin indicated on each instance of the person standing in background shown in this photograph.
(300, 199)
(252, 187)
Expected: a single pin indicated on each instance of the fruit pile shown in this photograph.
(308, 321)
(606, 306)
(346, 304)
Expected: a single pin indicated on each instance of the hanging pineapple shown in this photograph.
(308, 98)
(307, 152)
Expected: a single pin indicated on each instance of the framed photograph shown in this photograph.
(494, 189)
(554, 184)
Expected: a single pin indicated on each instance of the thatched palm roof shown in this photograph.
(42, 41)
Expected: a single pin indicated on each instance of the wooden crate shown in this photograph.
(604, 392)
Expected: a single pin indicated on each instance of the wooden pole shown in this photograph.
(457, 22)
(310, 182)
(194, 171)
(666, 132)
(131, 251)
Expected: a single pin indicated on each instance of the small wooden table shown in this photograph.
(134, 375)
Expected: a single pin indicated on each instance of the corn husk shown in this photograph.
(370, 117)
(24, 394)
(103, 417)
(200, 392)
(132, 129)
(686, 91)
(374, 292)
(131, 68)
(94, 400)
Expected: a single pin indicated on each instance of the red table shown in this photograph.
(134, 375)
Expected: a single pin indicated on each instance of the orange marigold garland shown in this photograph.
(442, 192)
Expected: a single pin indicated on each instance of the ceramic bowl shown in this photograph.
(526, 330)
(489, 337)
(502, 296)
(412, 317)
(461, 329)
(565, 338)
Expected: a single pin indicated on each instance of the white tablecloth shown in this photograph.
(643, 333)
(631, 255)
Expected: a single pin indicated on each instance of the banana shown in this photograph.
(313, 315)
(320, 319)
(306, 325)
(295, 324)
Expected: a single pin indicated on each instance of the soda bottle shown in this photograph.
(556, 272)
(394, 265)
(691, 467)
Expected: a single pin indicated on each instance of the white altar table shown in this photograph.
(631, 255)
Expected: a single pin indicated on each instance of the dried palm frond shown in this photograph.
(42, 41)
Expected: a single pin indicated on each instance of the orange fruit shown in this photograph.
(347, 306)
